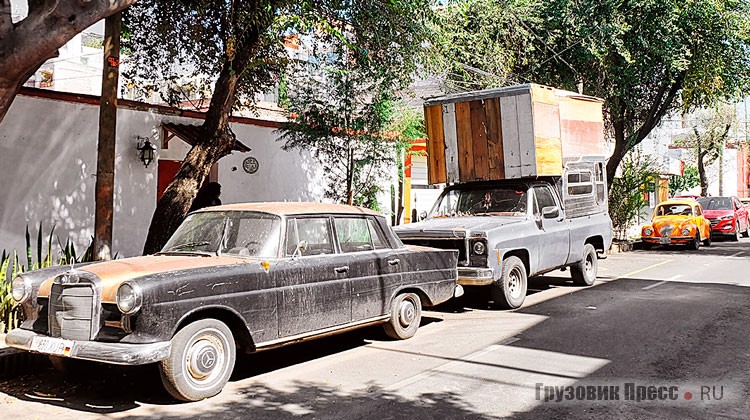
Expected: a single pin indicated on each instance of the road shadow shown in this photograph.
(106, 389)
(720, 247)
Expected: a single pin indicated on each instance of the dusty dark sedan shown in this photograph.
(241, 277)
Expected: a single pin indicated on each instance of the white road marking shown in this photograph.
(737, 254)
(654, 285)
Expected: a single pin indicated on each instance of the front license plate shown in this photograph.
(50, 345)
(665, 241)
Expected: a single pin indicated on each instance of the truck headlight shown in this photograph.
(479, 248)
(129, 298)
(686, 232)
(20, 289)
(648, 231)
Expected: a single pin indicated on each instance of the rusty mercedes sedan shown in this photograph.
(241, 277)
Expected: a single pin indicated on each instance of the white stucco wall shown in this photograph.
(48, 169)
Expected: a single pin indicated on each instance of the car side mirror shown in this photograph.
(423, 215)
(300, 249)
(551, 212)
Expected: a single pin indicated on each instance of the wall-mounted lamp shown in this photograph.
(146, 150)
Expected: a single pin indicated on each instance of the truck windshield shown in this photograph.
(492, 201)
(238, 233)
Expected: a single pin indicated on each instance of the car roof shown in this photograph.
(293, 208)
(685, 201)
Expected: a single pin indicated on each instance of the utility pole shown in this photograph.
(105, 161)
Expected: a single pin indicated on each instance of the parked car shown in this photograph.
(509, 230)
(677, 222)
(727, 215)
(243, 277)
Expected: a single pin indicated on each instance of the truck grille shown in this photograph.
(457, 244)
(73, 311)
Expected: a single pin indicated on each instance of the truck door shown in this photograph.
(554, 232)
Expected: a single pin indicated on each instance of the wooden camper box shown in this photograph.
(513, 132)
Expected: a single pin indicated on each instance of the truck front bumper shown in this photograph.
(97, 351)
(470, 276)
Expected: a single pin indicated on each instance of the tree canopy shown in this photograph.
(645, 58)
(238, 48)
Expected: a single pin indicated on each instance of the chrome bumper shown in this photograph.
(97, 351)
(468, 276)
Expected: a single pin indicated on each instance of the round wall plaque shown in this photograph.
(250, 165)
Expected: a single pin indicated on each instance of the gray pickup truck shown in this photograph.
(508, 230)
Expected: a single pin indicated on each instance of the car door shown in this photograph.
(554, 231)
(314, 291)
(374, 267)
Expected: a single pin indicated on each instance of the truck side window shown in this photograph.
(543, 198)
(580, 183)
(601, 186)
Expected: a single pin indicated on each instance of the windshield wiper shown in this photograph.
(188, 245)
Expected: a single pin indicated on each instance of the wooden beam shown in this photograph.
(105, 163)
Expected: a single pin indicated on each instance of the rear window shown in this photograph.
(716, 203)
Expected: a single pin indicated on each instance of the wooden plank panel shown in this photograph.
(511, 142)
(479, 140)
(548, 156)
(527, 148)
(451, 143)
(435, 144)
(495, 153)
(464, 140)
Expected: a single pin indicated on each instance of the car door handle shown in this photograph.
(342, 269)
(394, 261)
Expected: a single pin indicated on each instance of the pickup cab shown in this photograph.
(509, 230)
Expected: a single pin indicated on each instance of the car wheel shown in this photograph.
(200, 362)
(695, 244)
(746, 233)
(707, 241)
(406, 315)
(584, 272)
(509, 291)
(736, 236)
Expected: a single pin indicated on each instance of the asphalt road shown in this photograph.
(674, 320)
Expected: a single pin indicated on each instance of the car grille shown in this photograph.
(73, 312)
(714, 222)
(457, 244)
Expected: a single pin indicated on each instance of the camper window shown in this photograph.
(579, 183)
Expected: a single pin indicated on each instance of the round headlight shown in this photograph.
(20, 289)
(686, 232)
(648, 231)
(128, 298)
(479, 248)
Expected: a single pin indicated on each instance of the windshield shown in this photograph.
(674, 210)
(716, 203)
(495, 201)
(244, 234)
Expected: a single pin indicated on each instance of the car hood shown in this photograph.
(456, 227)
(715, 214)
(113, 273)
(666, 224)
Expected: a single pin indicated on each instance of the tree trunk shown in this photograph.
(702, 172)
(617, 154)
(26, 45)
(218, 142)
(350, 177)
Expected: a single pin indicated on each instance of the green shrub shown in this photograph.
(10, 266)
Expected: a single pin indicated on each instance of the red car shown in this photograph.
(727, 215)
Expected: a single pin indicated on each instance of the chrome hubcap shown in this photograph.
(205, 358)
(514, 282)
(589, 264)
(406, 313)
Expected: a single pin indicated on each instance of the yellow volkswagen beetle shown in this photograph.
(677, 222)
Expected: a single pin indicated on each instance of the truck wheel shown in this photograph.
(509, 291)
(584, 272)
(406, 315)
(200, 362)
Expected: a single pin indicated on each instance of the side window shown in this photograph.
(314, 231)
(353, 234)
(601, 186)
(378, 239)
(580, 183)
(698, 211)
(542, 198)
